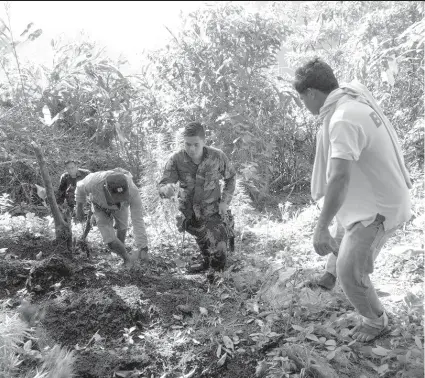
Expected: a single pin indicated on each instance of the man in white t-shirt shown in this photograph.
(360, 172)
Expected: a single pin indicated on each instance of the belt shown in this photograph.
(101, 208)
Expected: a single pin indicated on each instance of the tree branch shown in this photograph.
(62, 228)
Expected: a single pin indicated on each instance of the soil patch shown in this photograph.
(241, 366)
(27, 247)
(13, 275)
(180, 321)
(96, 362)
(87, 302)
(76, 317)
(48, 272)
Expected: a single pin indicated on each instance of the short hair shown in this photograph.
(315, 74)
(193, 129)
(70, 161)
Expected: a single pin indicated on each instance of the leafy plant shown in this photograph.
(214, 71)
(5, 203)
(128, 337)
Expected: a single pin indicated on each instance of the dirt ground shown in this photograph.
(80, 298)
(156, 321)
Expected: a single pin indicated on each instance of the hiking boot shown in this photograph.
(197, 267)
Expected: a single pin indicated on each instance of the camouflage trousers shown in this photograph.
(212, 236)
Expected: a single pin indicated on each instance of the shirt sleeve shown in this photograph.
(347, 140)
(136, 210)
(81, 190)
(84, 172)
(170, 175)
(229, 177)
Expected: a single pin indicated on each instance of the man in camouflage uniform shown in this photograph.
(204, 209)
(68, 183)
(112, 194)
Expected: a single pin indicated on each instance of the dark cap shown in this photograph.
(118, 187)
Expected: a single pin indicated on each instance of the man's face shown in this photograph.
(72, 169)
(311, 100)
(194, 146)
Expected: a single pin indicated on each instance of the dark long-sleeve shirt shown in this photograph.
(67, 187)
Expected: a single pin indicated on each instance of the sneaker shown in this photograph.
(327, 282)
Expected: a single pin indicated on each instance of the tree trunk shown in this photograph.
(62, 228)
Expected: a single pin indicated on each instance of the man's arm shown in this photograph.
(347, 142)
(336, 192)
(229, 177)
(80, 198)
(170, 176)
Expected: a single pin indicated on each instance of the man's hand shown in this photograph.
(79, 216)
(323, 242)
(166, 191)
(222, 209)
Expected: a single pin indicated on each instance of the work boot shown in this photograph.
(218, 259)
(218, 263)
(197, 267)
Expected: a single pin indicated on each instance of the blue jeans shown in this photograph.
(359, 247)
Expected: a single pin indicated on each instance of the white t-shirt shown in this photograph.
(377, 185)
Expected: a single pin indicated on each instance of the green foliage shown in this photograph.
(219, 68)
(83, 91)
(59, 363)
(13, 332)
(5, 203)
(28, 225)
(8, 46)
(414, 146)
(17, 356)
(379, 43)
(213, 71)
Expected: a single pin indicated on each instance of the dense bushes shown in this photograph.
(218, 68)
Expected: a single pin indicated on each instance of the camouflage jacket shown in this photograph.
(92, 186)
(67, 185)
(200, 192)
